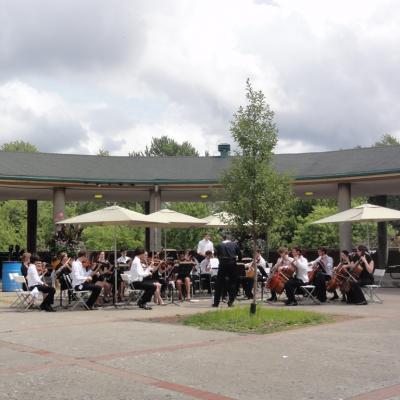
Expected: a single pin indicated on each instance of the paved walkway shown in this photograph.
(122, 354)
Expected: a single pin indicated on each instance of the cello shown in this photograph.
(276, 282)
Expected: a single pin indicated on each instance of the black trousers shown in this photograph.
(48, 301)
(227, 275)
(148, 287)
(356, 295)
(320, 286)
(290, 287)
(91, 287)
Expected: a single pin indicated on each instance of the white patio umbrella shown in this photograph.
(175, 219)
(364, 213)
(219, 220)
(113, 215)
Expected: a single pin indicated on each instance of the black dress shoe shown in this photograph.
(291, 303)
(272, 299)
(50, 309)
(144, 306)
(230, 303)
(215, 305)
(334, 297)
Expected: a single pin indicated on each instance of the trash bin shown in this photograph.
(10, 267)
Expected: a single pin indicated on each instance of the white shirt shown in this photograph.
(123, 260)
(328, 263)
(79, 274)
(33, 276)
(214, 266)
(301, 269)
(205, 266)
(260, 263)
(205, 245)
(137, 273)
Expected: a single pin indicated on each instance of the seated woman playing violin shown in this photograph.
(184, 267)
(103, 273)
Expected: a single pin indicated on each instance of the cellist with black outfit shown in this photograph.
(227, 252)
(366, 277)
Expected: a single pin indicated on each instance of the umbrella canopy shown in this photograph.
(364, 213)
(218, 220)
(113, 215)
(175, 219)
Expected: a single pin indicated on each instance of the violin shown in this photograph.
(86, 263)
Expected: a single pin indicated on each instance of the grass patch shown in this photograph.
(238, 319)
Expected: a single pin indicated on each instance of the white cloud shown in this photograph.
(113, 75)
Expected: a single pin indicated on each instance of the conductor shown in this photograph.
(227, 252)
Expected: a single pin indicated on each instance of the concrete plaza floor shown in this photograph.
(123, 354)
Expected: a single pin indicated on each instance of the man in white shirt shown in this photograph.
(82, 279)
(205, 271)
(324, 266)
(34, 281)
(136, 275)
(301, 277)
(204, 245)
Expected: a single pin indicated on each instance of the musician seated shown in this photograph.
(137, 273)
(283, 261)
(103, 273)
(34, 281)
(183, 278)
(63, 268)
(344, 263)
(205, 271)
(82, 278)
(322, 267)
(365, 264)
(248, 281)
(300, 277)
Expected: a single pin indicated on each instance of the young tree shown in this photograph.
(257, 195)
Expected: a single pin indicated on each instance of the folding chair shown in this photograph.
(308, 294)
(133, 294)
(78, 297)
(370, 290)
(24, 299)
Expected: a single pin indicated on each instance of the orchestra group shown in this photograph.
(220, 268)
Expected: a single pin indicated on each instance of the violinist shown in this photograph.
(185, 266)
(103, 273)
(257, 265)
(82, 279)
(34, 281)
(300, 278)
(25, 261)
(322, 271)
(137, 273)
(363, 260)
(154, 265)
(283, 261)
(62, 269)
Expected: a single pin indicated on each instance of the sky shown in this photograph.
(78, 76)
